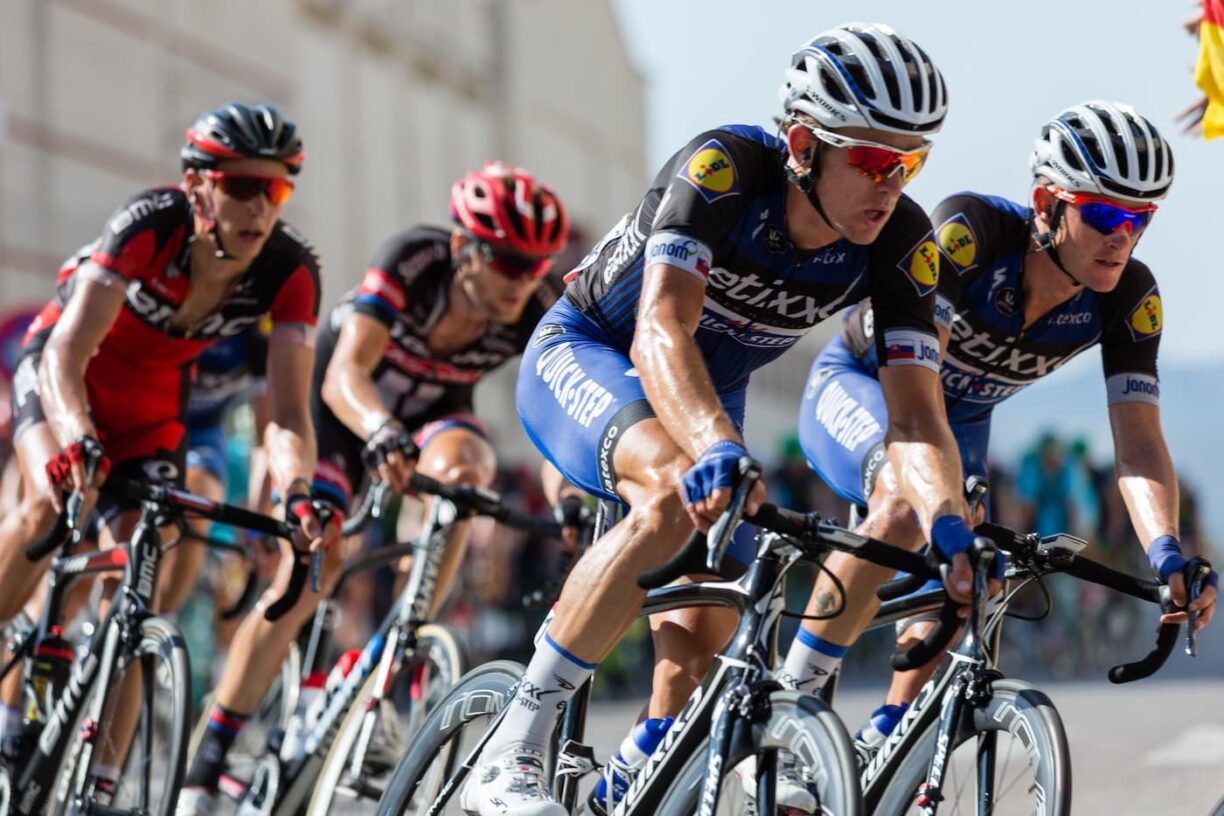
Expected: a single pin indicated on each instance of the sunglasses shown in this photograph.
(515, 267)
(1105, 216)
(245, 186)
(878, 162)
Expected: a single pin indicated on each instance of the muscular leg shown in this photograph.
(889, 519)
(33, 518)
(456, 456)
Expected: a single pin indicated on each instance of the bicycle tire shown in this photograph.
(1015, 708)
(436, 645)
(163, 662)
(799, 723)
(479, 695)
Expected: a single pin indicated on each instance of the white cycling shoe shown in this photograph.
(790, 789)
(196, 802)
(511, 784)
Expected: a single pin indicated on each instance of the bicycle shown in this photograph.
(914, 771)
(71, 713)
(367, 720)
(737, 712)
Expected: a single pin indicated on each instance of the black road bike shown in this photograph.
(738, 712)
(131, 648)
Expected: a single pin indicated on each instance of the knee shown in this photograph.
(37, 515)
(892, 519)
(459, 457)
(659, 518)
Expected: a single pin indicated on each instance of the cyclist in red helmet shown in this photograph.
(106, 364)
(398, 359)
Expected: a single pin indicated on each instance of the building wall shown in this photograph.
(395, 100)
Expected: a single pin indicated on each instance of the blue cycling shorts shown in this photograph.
(843, 419)
(577, 395)
(206, 450)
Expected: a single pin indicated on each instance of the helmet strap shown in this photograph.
(1045, 240)
(807, 185)
(211, 225)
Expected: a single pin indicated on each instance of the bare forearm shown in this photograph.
(354, 399)
(291, 452)
(680, 391)
(62, 387)
(927, 461)
(1148, 483)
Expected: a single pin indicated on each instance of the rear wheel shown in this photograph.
(1015, 741)
(378, 728)
(799, 724)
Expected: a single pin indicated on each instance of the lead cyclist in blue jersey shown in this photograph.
(633, 384)
(1024, 290)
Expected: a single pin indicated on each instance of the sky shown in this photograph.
(1009, 67)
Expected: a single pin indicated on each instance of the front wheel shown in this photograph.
(1011, 758)
(799, 724)
(143, 729)
(451, 731)
(379, 727)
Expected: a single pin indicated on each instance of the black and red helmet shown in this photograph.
(237, 131)
(505, 207)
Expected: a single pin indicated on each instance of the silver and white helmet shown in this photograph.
(1104, 148)
(866, 75)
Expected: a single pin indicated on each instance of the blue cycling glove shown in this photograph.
(715, 469)
(1165, 556)
(952, 536)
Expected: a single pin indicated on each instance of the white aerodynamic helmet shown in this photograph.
(866, 75)
(1104, 148)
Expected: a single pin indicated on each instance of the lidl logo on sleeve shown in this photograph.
(958, 243)
(922, 266)
(1147, 318)
(711, 172)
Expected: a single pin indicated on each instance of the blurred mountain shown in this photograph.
(1072, 404)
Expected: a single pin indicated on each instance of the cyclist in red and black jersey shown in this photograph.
(399, 356)
(176, 269)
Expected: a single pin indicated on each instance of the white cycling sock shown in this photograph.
(810, 662)
(553, 677)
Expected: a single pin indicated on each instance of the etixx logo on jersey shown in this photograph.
(711, 172)
(958, 243)
(921, 265)
(1147, 318)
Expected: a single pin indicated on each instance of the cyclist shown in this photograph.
(1025, 290)
(105, 366)
(634, 383)
(399, 357)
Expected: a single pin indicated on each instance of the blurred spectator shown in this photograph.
(1206, 116)
(1043, 487)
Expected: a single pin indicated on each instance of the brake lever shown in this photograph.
(719, 537)
(1195, 573)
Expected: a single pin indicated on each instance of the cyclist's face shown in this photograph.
(858, 206)
(1094, 259)
(502, 298)
(244, 225)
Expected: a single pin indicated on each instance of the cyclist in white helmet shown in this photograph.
(1024, 289)
(744, 242)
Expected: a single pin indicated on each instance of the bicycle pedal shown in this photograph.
(576, 759)
(231, 787)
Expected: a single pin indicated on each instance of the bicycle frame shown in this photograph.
(139, 559)
(393, 643)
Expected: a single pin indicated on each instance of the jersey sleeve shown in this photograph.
(903, 269)
(705, 189)
(134, 236)
(963, 225)
(1134, 318)
(383, 291)
(295, 309)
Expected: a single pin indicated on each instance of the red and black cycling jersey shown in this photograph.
(991, 355)
(139, 376)
(407, 288)
(717, 210)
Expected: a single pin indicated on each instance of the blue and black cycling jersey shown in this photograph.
(225, 373)
(991, 354)
(717, 209)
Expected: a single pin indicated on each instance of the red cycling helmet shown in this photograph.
(505, 207)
